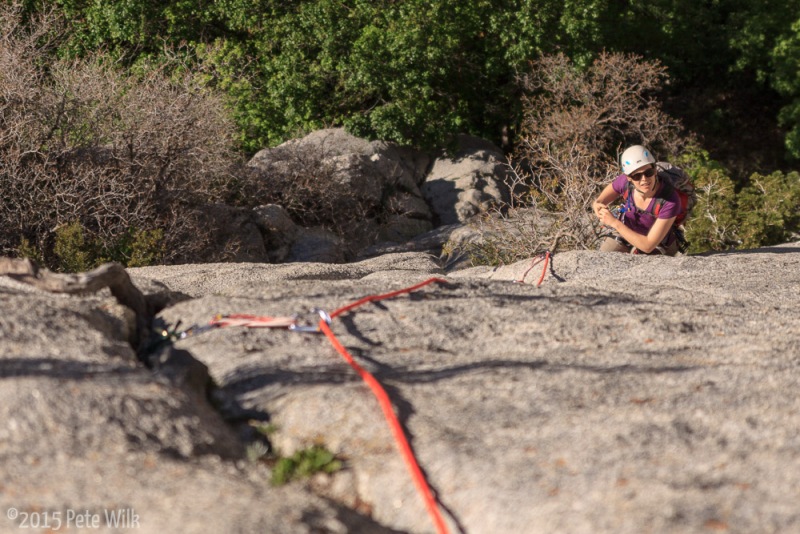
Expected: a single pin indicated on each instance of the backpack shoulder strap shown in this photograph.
(661, 199)
(627, 197)
(627, 192)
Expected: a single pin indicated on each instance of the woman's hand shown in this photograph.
(596, 207)
(606, 217)
(601, 203)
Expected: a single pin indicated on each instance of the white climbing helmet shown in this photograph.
(635, 157)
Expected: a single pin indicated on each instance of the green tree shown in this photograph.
(415, 72)
(769, 207)
(767, 42)
(786, 80)
(134, 29)
(418, 71)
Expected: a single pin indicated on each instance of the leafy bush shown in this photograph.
(75, 253)
(713, 224)
(766, 211)
(304, 463)
(769, 209)
(71, 249)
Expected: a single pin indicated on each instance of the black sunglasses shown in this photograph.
(644, 174)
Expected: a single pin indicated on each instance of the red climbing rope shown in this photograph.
(375, 298)
(542, 257)
(544, 269)
(386, 404)
(257, 321)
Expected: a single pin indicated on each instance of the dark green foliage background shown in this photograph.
(417, 71)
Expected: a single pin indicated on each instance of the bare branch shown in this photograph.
(84, 143)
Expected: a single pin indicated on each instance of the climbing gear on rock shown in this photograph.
(251, 321)
(386, 404)
(257, 321)
(545, 256)
(294, 323)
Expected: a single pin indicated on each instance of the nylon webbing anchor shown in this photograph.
(258, 321)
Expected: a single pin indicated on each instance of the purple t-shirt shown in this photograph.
(640, 221)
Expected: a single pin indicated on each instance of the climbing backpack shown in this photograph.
(674, 178)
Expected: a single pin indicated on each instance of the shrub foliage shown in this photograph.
(765, 211)
(97, 164)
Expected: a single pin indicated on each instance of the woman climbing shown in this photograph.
(648, 210)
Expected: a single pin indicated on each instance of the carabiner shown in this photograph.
(323, 315)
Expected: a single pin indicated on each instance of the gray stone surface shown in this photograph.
(409, 193)
(627, 394)
(386, 162)
(384, 177)
(317, 245)
(460, 186)
(89, 433)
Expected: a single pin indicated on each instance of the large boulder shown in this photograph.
(627, 394)
(382, 177)
(278, 230)
(386, 163)
(232, 235)
(380, 194)
(460, 186)
(94, 440)
(408, 192)
(317, 245)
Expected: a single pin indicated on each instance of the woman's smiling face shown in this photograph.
(644, 178)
